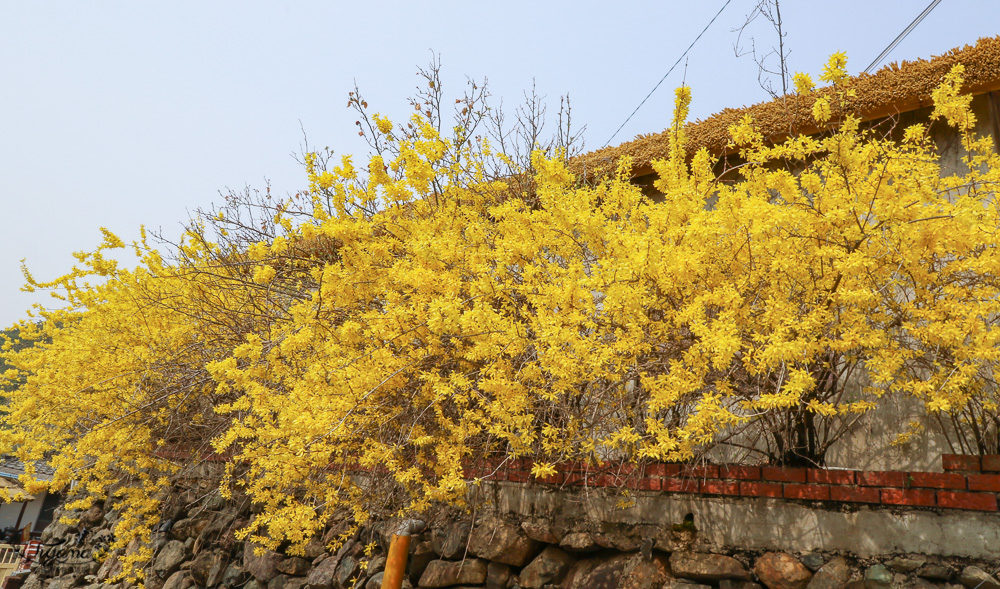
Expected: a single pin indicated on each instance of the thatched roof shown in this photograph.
(896, 88)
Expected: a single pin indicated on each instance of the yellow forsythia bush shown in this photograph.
(422, 316)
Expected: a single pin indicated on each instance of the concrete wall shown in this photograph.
(758, 524)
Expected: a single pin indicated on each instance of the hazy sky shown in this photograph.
(119, 114)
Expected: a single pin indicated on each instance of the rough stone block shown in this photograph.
(445, 573)
(497, 540)
(777, 570)
(547, 567)
(707, 567)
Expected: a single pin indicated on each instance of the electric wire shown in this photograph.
(902, 35)
(668, 72)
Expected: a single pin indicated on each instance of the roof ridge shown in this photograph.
(894, 88)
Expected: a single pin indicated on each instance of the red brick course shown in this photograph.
(814, 492)
(702, 471)
(743, 473)
(661, 469)
(937, 480)
(855, 494)
(991, 462)
(962, 487)
(882, 479)
(921, 497)
(679, 485)
(784, 475)
(962, 500)
(832, 477)
(984, 482)
(720, 487)
(959, 462)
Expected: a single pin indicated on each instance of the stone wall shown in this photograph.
(573, 538)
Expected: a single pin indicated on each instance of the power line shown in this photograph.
(670, 70)
(902, 35)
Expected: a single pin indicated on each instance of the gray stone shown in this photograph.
(707, 567)
(620, 540)
(169, 560)
(973, 577)
(833, 575)
(647, 573)
(777, 570)
(905, 564)
(295, 583)
(65, 582)
(294, 566)
(206, 563)
(670, 540)
(878, 577)
(321, 576)
(497, 540)
(813, 561)
(603, 572)
(188, 528)
(314, 548)
(254, 584)
(422, 554)
(541, 530)
(578, 542)
(683, 584)
(375, 582)
(110, 568)
(935, 571)
(151, 580)
(918, 583)
(215, 574)
(179, 580)
(278, 582)
(56, 530)
(93, 516)
(348, 569)
(376, 564)
(234, 575)
(547, 567)
(497, 575)
(449, 542)
(444, 573)
(262, 566)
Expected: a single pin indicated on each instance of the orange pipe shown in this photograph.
(395, 562)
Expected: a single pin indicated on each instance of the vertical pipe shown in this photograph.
(399, 550)
(395, 562)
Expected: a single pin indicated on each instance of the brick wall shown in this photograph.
(969, 482)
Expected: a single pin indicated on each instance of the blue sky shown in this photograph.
(119, 114)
